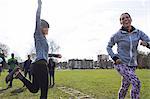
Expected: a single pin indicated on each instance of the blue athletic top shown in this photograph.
(127, 44)
(41, 44)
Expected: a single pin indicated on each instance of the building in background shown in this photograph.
(80, 64)
(102, 62)
(62, 65)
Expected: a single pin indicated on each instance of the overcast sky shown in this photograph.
(82, 28)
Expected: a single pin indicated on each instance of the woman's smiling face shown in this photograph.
(125, 20)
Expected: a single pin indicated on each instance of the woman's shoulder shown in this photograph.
(116, 34)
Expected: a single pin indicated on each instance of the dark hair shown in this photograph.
(127, 14)
(44, 24)
(12, 54)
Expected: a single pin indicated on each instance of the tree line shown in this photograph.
(143, 58)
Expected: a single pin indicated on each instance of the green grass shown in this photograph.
(100, 84)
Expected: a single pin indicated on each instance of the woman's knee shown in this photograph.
(137, 84)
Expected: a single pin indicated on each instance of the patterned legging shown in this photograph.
(129, 77)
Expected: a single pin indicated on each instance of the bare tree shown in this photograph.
(4, 49)
(32, 52)
(143, 60)
(53, 48)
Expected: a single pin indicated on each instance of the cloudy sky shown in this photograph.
(81, 28)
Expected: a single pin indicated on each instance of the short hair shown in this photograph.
(12, 54)
(44, 24)
(125, 13)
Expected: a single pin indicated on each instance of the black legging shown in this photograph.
(51, 67)
(52, 77)
(27, 71)
(10, 84)
(40, 79)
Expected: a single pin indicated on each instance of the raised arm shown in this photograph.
(37, 34)
(38, 15)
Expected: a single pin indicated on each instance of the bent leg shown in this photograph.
(128, 74)
(124, 88)
(33, 87)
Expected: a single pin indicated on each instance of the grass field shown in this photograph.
(99, 84)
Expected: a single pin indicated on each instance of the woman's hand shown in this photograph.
(143, 43)
(118, 61)
(59, 56)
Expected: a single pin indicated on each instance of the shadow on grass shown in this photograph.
(17, 91)
(3, 90)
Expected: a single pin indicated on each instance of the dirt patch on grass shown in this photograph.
(75, 93)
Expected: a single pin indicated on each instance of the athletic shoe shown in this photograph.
(11, 74)
(16, 74)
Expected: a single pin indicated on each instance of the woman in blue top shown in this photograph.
(127, 40)
(39, 68)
